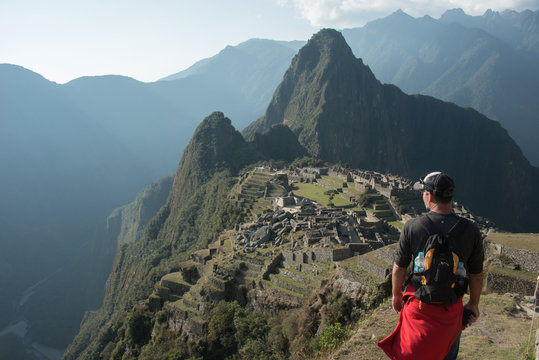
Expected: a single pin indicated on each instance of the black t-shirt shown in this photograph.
(469, 244)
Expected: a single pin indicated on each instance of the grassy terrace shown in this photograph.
(288, 280)
(520, 274)
(498, 334)
(316, 193)
(278, 288)
(307, 277)
(351, 188)
(520, 241)
(193, 314)
(371, 257)
(336, 181)
(396, 224)
(176, 278)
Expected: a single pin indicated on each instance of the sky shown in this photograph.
(150, 39)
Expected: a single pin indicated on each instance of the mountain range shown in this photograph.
(489, 63)
(76, 151)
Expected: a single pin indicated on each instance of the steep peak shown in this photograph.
(324, 72)
(490, 14)
(400, 17)
(215, 121)
(326, 42)
(453, 14)
(216, 146)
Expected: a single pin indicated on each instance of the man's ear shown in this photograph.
(430, 198)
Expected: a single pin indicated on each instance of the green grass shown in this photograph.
(336, 181)
(278, 288)
(396, 224)
(352, 264)
(316, 193)
(520, 274)
(192, 312)
(371, 257)
(351, 188)
(520, 241)
(176, 278)
(291, 282)
(307, 277)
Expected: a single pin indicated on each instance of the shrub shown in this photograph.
(333, 336)
(138, 329)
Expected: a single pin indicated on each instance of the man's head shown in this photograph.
(437, 188)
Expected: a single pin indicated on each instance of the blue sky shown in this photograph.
(147, 40)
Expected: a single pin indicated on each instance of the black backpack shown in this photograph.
(437, 284)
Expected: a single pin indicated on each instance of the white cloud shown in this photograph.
(351, 13)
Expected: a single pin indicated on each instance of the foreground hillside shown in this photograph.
(500, 333)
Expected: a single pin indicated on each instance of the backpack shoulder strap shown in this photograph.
(459, 227)
(428, 225)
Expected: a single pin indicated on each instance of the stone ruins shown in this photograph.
(289, 245)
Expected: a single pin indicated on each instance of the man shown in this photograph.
(428, 331)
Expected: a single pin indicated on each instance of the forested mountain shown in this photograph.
(194, 214)
(490, 63)
(341, 112)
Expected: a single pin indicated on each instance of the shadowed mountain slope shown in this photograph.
(489, 63)
(61, 174)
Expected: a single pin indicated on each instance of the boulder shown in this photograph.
(262, 235)
(276, 226)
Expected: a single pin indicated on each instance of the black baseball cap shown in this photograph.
(437, 183)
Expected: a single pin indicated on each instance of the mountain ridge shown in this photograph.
(457, 62)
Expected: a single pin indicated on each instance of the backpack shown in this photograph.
(437, 284)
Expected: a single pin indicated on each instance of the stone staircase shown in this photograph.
(382, 208)
(256, 193)
(410, 202)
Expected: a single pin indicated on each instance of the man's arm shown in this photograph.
(476, 283)
(397, 279)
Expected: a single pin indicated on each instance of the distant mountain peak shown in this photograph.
(400, 16)
(318, 75)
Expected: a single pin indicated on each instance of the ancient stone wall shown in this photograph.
(218, 283)
(175, 287)
(321, 254)
(373, 269)
(508, 284)
(526, 259)
(270, 268)
(341, 254)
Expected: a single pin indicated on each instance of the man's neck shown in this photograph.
(441, 209)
